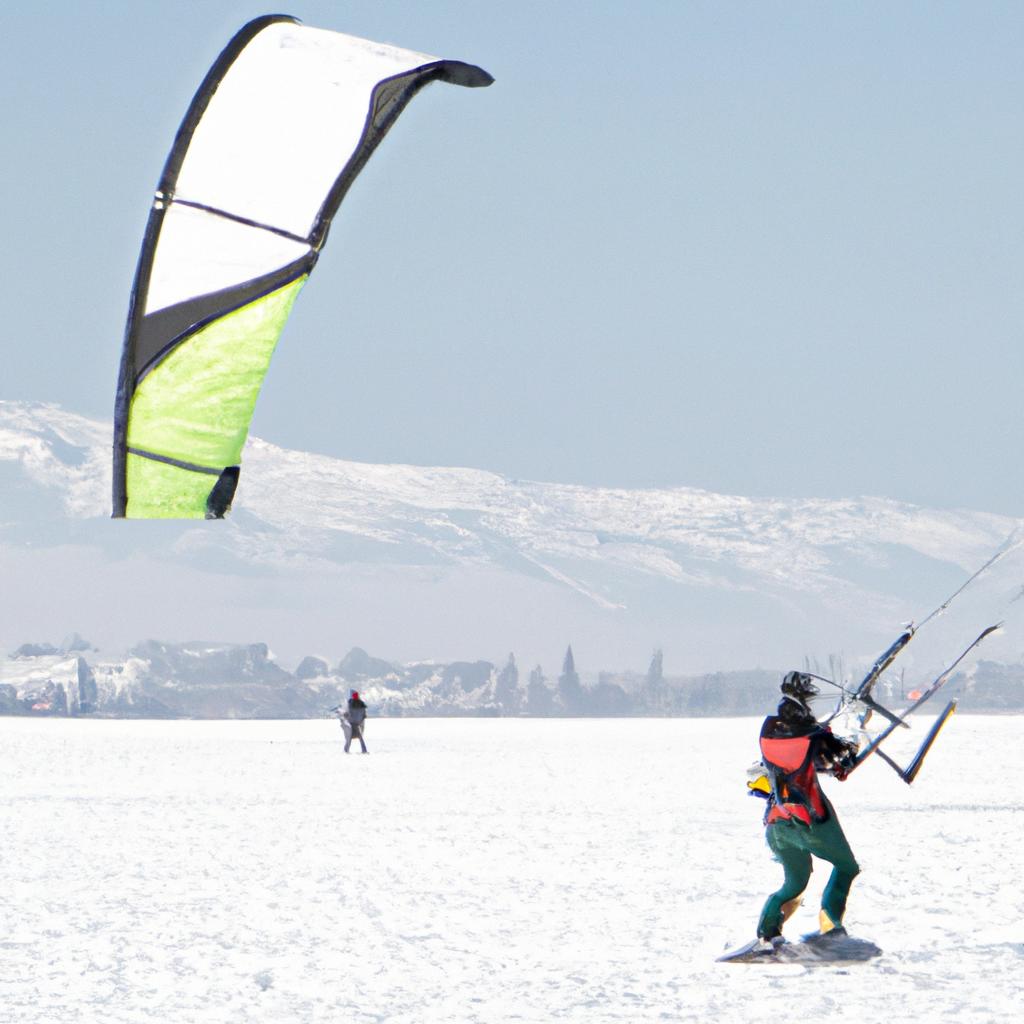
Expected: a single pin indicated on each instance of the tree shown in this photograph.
(539, 699)
(655, 690)
(569, 688)
(608, 698)
(506, 689)
(655, 672)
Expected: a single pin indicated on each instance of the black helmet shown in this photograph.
(798, 688)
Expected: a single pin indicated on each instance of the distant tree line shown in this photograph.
(630, 693)
(988, 687)
(202, 680)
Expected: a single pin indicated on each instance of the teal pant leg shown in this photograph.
(827, 841)
(784, 841)
(793, 844)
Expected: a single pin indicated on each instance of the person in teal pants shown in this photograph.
(800, 822)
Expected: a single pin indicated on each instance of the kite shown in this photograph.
(277, 132)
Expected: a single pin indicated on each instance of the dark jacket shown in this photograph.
(356, 712)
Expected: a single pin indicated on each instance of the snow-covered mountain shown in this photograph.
(424, 562)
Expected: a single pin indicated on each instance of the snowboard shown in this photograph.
(836, 947)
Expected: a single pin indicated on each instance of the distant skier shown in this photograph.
(799, 820)
(353, 721)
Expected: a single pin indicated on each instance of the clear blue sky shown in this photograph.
(771, 248)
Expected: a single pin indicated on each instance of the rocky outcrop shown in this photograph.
(312, 668)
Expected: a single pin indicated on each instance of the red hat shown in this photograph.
(355, 695)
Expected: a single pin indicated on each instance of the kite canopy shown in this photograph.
(280, 127)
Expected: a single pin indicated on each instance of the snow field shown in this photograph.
(481, 870)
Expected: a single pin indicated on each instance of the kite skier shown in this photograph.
(353, 721)
(800, 823)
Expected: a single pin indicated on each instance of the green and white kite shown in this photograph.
(277, 132)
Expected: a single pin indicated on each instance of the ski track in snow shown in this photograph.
(481, 871)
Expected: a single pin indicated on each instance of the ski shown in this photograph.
(861, 695)
(863, 691)
(910, 772)
(935, 686)
(872, 705)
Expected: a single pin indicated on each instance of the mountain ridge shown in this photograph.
(426, 548)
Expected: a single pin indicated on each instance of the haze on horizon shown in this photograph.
(768, 250)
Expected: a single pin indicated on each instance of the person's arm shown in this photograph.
(835, 754)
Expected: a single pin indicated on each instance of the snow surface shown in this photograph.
(481, 871)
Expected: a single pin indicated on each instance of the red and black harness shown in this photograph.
(792, 771)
